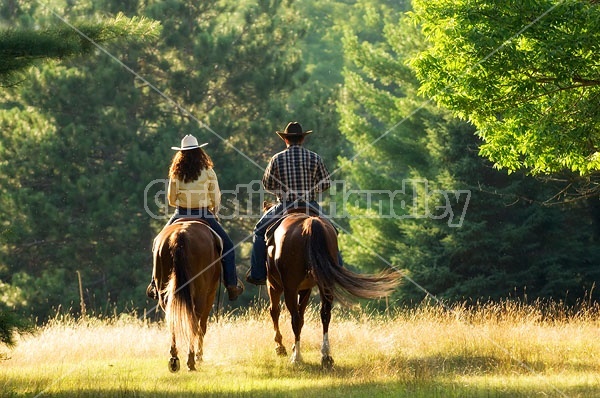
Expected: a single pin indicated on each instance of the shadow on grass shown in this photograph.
(434, 376)
(439, 389)
(485, 365)
(426, 369)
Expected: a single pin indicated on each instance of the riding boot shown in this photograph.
(234, 291)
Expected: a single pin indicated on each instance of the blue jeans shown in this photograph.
(258, 260)
(229, 272)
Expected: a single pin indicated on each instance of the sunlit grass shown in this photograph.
(496, 350)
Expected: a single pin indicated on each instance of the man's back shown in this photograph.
(296, 172)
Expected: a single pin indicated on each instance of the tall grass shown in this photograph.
(505, 349)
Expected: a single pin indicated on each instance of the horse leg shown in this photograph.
(291, 301)
(326, 359)
(303, 299)
(191, 362)
(275, 309)
(195, 341)
(197, 344)
(203, 326)
(297, 313)
(174, 361)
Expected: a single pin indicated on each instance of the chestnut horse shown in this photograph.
(302, 252)
(187, 268)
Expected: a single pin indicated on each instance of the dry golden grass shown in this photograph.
(495, 350)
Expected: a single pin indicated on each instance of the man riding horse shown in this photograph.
(303, 250)
(294, 175)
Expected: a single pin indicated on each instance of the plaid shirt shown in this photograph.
(296, 173)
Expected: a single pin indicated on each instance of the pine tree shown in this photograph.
(20, 49)
(89, 143)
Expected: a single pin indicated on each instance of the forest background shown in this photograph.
(85, 142)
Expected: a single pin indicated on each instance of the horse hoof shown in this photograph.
(281, 351)
(327, 362)
(174, 365)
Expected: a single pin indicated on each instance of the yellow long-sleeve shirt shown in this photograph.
(203, 192)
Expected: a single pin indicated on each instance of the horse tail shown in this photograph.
(180, 312)
(336, 281)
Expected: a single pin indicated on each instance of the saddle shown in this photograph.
(186, 219)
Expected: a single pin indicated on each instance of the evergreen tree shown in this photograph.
(19, 49)
(25, 47)
(10, 325)
(87, 142)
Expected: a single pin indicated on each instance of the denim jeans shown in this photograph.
(258, 260)
(228, 259)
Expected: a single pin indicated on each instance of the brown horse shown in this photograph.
(303, 253)
(187, 268)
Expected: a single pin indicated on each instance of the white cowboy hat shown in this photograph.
(188, 142)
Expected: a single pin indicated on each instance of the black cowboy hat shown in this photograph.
(293, 129)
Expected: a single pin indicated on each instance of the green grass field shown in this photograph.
(502, 350)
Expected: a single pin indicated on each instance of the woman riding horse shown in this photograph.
(186, 259)
(194, 191)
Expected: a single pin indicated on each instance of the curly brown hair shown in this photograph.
(187, 165)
